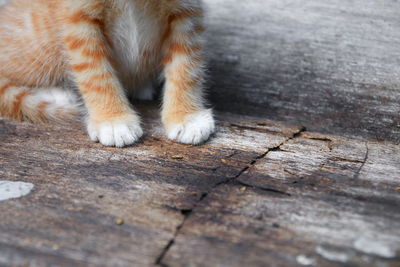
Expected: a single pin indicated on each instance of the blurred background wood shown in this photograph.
(332, 65)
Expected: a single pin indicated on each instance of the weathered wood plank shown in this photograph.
(311, 200)
(82, 189)
(331, 65)
(316, 200)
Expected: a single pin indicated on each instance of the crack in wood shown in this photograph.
(234, 153)
(255, 128)
(188, 212)
(348, 160)
(357, 174)
(266, 189)
(324, 139)
(289, 172)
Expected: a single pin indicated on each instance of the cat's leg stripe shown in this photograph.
(83, 67)
(4, 87)
(19, 98)
(82, 17)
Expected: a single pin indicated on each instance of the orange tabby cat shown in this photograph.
(108, 50)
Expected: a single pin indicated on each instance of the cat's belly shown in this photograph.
(136, 47)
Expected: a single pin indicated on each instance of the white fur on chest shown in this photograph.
(136, 37)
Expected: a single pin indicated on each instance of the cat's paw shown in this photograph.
(118, 132)
(196, 129)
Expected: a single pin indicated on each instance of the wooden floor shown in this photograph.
(260, 193)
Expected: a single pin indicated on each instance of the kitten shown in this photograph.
(108, 49)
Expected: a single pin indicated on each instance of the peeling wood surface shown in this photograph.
(315, 200)
(83, 189)
(260, 192)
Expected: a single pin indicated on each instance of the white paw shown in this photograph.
(196, 130)
(118, 133)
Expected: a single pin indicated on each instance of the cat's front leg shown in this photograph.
(111, 120)
(184, 115)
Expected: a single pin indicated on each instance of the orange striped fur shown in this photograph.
(110, 50)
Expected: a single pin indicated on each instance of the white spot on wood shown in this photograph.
(374, 247)
(304, 260)
(332, 255)
(10, 190)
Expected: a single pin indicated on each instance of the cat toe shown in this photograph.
(118, 134)
(196, 130)
(92, 132)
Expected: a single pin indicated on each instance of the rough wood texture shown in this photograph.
(81, 189)
(332, 65)
(260, 192)
(315, 200)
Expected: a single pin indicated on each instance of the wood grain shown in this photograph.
(83, 190)
(333, 66)
(262, 191)
(316, 200)
(259, 192)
